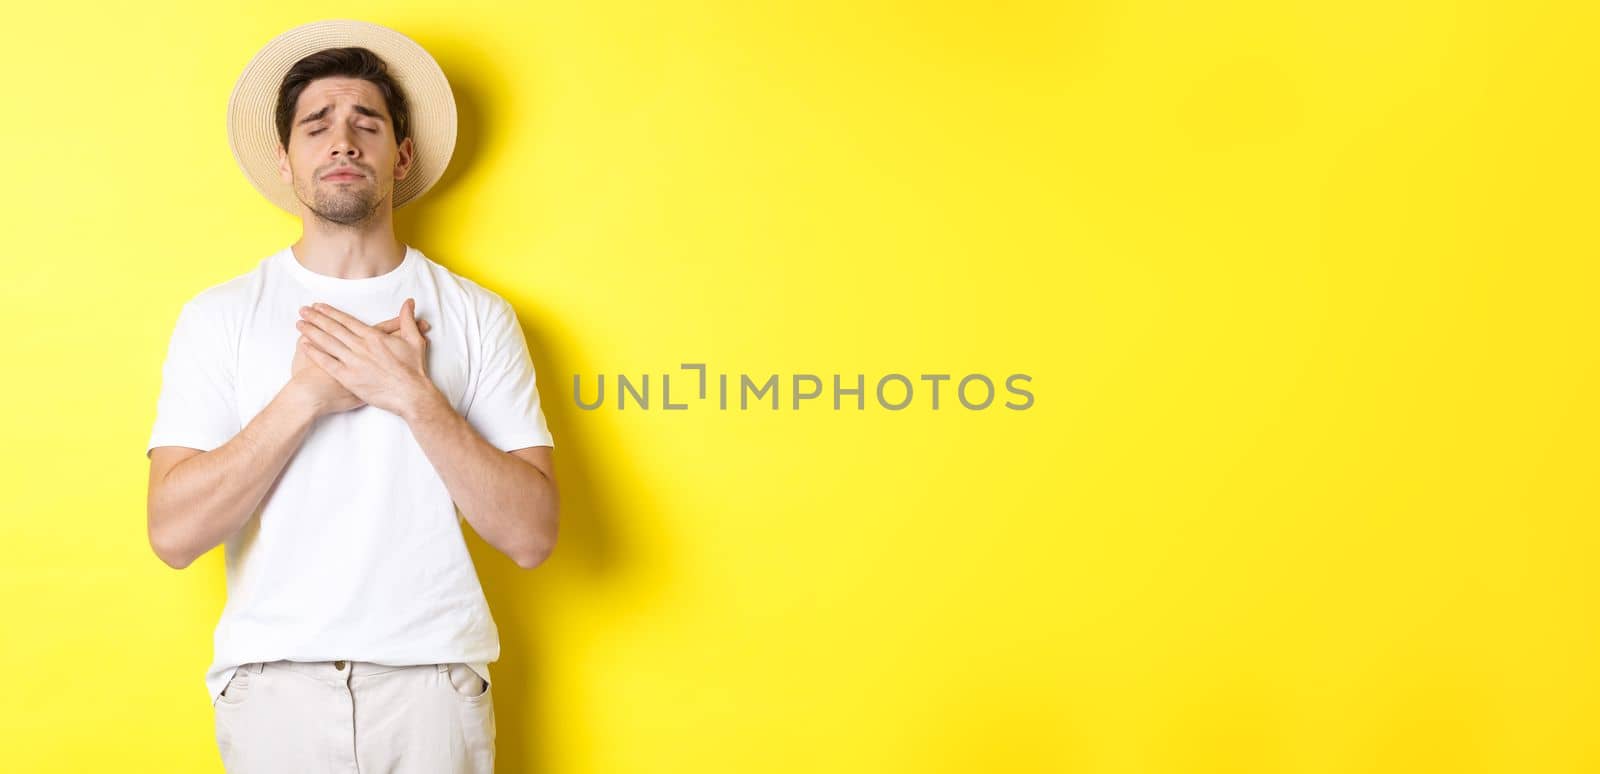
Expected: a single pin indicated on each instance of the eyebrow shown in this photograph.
(362, 109)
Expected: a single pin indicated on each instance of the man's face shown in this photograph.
(342, 158)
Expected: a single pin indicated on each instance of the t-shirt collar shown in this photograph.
(329, 283)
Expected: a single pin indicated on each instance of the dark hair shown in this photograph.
(351, 62)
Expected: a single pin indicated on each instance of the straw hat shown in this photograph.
(253, 134)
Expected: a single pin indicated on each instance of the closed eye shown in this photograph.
(319, 131)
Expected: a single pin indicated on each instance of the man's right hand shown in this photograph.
(324, 391)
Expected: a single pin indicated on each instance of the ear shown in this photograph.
(405, 154)
(285, 173)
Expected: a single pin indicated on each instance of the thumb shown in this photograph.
(408, 321)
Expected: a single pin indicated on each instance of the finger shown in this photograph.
(393, 324)
(339, 325)
(409, 320)
(328, 343)
(328, 362)
(344, 319)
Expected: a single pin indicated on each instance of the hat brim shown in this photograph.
(252, 129)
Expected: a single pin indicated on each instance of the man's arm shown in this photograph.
(197, 499)
(510, 502)
(509, 498)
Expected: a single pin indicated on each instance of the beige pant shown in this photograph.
(344, 717)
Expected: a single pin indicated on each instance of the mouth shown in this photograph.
(344, 176)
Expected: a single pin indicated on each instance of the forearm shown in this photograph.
(208, 497)
(508, 502)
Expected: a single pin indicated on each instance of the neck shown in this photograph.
(349, 252)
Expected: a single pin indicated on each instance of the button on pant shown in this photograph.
(355, 717)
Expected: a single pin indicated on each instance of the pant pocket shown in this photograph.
(472, 702)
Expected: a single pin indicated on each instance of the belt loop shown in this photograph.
(257, 666)
(441, 668)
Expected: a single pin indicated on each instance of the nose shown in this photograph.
(342, 145)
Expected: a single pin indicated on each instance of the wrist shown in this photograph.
(301, 402)
(427, 404)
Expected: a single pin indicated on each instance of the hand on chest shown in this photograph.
(267, 347)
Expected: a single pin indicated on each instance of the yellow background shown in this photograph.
(1306, 290)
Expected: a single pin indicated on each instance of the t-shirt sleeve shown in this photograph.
(505, 406)
(196, 406)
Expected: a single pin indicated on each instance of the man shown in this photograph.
(307, 424)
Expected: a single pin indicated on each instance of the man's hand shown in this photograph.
(387, 370)
(326, 391)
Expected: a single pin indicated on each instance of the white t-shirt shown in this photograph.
(356, 551)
